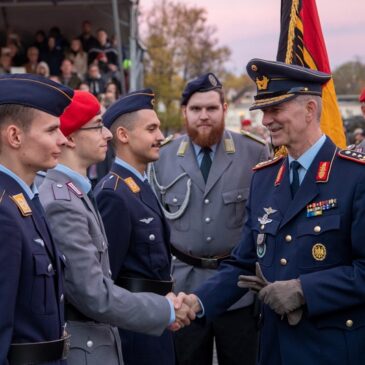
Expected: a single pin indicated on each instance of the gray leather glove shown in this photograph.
(253, 282)
(283, 296)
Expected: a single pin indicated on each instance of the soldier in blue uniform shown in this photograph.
(31, 305)
(137, 232)
(305, 228)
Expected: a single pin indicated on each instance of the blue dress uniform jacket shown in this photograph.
(325, 250)
(138, 237)
(31, 293)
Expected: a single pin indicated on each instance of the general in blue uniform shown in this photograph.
(305, 228)
(31, 304)
(137, 232)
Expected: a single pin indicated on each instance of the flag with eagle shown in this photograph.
(302, 43)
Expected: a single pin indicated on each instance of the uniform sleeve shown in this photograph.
(89, 290)
(220, 291)
(118, 227)
(341, 287)
(10, 264)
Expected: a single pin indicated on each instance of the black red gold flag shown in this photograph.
(302, 43)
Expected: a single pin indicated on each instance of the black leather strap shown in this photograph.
(138, 285)
(203, 262)
(38, 352)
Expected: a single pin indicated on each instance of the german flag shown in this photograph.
(301, 43)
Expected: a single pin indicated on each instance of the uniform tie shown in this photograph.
(295, 166)
(206, 163)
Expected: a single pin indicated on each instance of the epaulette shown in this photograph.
(60, 191)
(263, 164)
(111, 181)
(253, 136)
(358, 157)
(167, 140)
(22, 204)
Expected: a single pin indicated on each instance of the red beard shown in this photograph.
(206, 140)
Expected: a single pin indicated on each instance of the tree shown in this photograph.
(349, 78)
(180, 46)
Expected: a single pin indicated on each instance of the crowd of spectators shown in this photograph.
(86, 62)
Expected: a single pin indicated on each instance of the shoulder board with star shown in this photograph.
(253, 136)
(167, 140)
(351, 155)
(267, 163)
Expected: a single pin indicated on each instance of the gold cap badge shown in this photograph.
(262, 83)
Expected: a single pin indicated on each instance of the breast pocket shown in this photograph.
(320, 243)
(176, 202)
(234, 205)
(43, 297)
(150, 244)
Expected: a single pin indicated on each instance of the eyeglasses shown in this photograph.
(97, 127)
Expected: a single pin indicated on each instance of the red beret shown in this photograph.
(362, 96)
(246, 122)
(83, 108)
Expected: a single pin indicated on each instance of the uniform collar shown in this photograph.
(130, 168)
(30, 190)
(80, 180)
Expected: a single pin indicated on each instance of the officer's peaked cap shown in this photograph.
(278, 82)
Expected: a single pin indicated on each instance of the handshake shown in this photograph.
(283, 297)
(186, 307)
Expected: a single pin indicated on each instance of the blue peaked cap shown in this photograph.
(278, 82)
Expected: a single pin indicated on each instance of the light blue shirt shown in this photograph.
(130, 168)
(81, 181)
(143, 177)
(306, 159)
(199, 152)
(30, 190)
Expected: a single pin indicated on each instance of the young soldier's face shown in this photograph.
(204, 118)
(41, 143)
(144, 138)
(91, 141)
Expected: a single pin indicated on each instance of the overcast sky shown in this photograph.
(250, 28)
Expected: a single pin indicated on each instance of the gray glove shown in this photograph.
(283, 296)
(258, 282)
(253, 282)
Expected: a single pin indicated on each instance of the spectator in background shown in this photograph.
(5, 62)
(61, 41)
(42, 69)
(246, 125)
(32, 57)
(95, 80)
(53, 56)
(68, 77)
(111, 94)
(362, 101)
(17, 57)
(79, 58)
(40, 42)
(87, 39)
(104, 55)
(84, 86)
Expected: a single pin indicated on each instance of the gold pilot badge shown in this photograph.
(319, 251)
